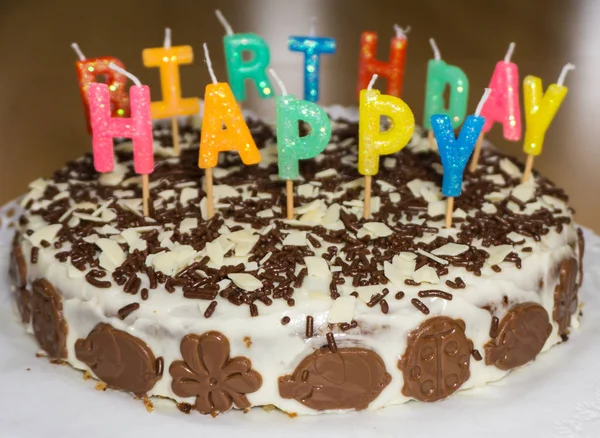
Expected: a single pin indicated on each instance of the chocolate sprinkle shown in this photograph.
(399, 295)
(34, 254)
(476, 355)
(127, 310)
(419, 305)
(309, 326)
(285, 320)
(435, 293)
(210, 309)
(331, 342)
(494, 327)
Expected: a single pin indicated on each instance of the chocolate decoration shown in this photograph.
(49, 325)
(581, 248)
(565, 295)
(436, 361)
(17, 268)
(349, 378)
(119, 359)
(23, 299)
(522, 334)
(208, 373)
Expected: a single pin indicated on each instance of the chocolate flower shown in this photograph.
(209, 374)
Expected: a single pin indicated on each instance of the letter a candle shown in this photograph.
(503, 104)
(440, 74)
(291, 148)
(223, 129)
(372, 142)
(87, 72)
(168, 59)
(138, 127)
(239, 70)
(540, 109)
(455, 152)
(392, 70)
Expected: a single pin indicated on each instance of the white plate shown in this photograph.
(556, 396)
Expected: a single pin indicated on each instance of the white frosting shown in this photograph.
(276, 349)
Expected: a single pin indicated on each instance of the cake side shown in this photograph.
(290, 310)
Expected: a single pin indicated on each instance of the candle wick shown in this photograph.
(118, 69)
(312, 30)
(224, 22)
(280, 83)
(401, 32)
(167, 43)
(209, 64)
(372, 82)
(563, 73)
(485, 96)
(509, 52)
(78, 51)
(436, 51)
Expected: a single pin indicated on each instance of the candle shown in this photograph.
(240, 70)
(392, 70)
(440, 75)
(540, 109)
(503, 104)
(138, 127)
(88, 69)
(312, 47)
(223, 129)
(372, 142)
(455, 152)
(291, 148)
(168, 59)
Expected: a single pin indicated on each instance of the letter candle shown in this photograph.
(372, 142)
(392, 70)
(455, 152)
(168, 59)
(223, 129)
(440, 75)
(138, 127)
(88, 69)
(312, 47)
(291, 148)
(239, 70)
(540, 109)
(503, 104)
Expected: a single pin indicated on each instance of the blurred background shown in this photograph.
(42, 122)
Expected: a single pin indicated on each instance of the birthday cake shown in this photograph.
(325, 312)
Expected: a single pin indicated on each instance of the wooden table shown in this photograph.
(41, 119)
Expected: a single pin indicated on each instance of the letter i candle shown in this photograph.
(223, 129)
(503, 104)
(88, 69)
(291, 148)
(540, 109)
(168, 59)
(455, 152)
(372, 142)
(138, 127)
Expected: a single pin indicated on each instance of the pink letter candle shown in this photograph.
(138, 127)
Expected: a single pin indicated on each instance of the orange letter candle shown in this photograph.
(392, 70)
(168, 59)
(87, 72)
(223, 129)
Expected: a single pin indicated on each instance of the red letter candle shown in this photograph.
(138, 127)
(392, 70)
(87, 72)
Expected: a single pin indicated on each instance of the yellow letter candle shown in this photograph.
(372, 141)
(540, 109)
(223, 129)
(168, 59)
